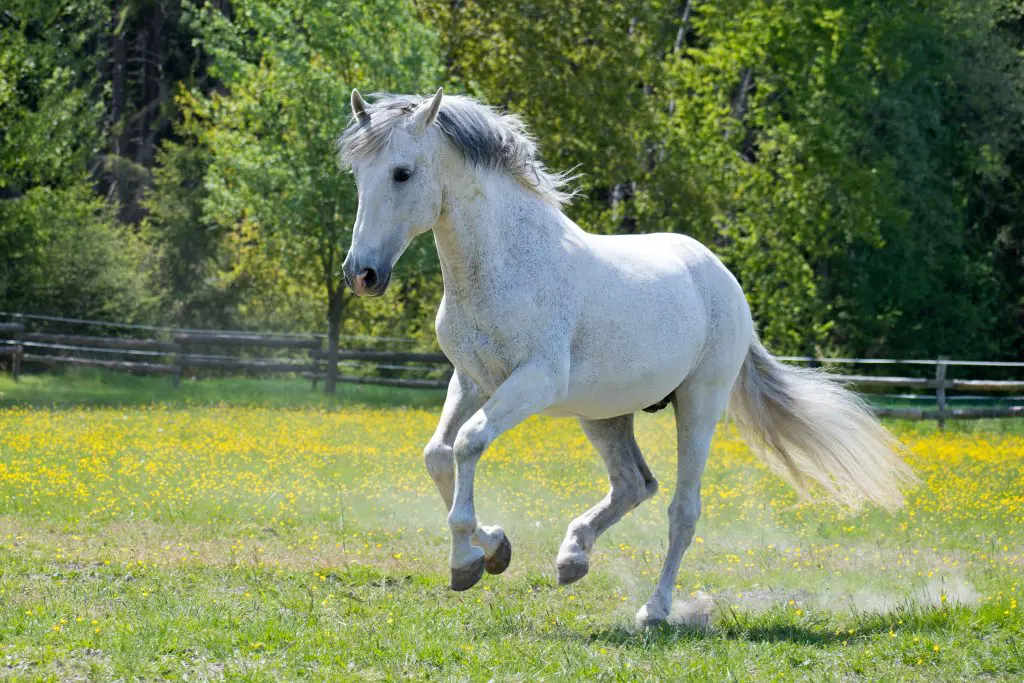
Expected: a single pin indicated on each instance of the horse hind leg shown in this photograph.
(631, 483)
(650, 483)
(699, 406)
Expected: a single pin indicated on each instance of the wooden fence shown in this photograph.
(939, 384)
(194, 353)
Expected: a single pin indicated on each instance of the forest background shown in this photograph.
(859, 164)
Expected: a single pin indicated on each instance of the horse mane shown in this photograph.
(482, 134)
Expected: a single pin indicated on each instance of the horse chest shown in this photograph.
(483, 352)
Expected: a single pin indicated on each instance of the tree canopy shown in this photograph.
(857, 164)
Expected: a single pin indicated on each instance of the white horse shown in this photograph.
(539, 316)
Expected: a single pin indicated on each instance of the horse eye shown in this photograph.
(400, 175)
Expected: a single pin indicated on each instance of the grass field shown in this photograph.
(255, 531)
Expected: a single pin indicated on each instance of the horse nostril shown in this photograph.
(368, 278)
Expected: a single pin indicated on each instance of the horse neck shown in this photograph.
(487, 221)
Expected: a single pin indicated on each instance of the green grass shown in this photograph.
(254, 530)
(86, 387)
(101, 388)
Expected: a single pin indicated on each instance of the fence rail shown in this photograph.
(120, 365)
(941, 416)
(865, 382)
(189, 352)
(77, 340)
(255, 340)
(386, 356)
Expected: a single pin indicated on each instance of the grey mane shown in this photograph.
(484, 136)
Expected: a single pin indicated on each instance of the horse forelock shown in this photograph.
(482, 135)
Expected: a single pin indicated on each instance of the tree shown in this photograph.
(583, 74)
(287, 69)
(841, 156)
(189, 251)
(61, 249)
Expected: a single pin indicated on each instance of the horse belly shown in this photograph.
(620, 395)
(638, 362)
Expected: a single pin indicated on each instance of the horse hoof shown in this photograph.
(464, 578)
(498, 562)
(649, 617)
(572, 570)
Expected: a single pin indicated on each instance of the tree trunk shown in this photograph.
(335, 313)
(118, 96)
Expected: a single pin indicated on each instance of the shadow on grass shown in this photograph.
(668, 634)
(99, 388)
(781, 625)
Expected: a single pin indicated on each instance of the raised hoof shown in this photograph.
(498, 562)
(572, 570)
(464, 578)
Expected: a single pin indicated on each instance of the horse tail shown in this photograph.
(807, 428)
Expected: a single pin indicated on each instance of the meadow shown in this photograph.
(255, 531)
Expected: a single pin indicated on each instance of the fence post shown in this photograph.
(940, 390)
(316, 362)
(19, 349)
(16, 359)
(176, 374)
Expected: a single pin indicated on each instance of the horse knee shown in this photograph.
(627, 491)
(470, 442)
(438, 458)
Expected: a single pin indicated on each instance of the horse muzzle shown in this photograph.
(366, 280)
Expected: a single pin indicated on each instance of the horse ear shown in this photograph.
(425, 117)
(359, 108)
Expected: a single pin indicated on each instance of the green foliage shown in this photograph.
(831, 151)
(50, 123)
(272, 184)
(64, 252)
(582, 75)
(61, 248)
(187, 249)
(857, 164)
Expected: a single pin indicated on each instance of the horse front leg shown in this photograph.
(528, 390)
(464, 398)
